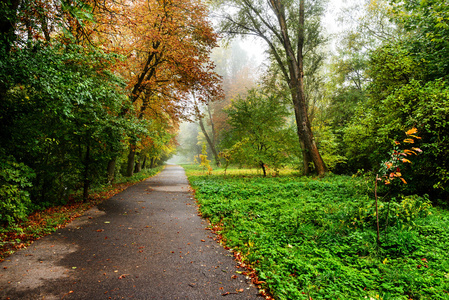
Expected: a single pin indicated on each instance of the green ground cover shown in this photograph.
(316, 238)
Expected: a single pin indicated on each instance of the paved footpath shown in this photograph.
(145, 243)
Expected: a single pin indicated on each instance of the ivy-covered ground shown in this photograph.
(310, 238)
(47, 220)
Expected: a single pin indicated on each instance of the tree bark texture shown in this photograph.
(296, 85)
(153, 161)
(131, 157)
(209, 141)
(111, 170)
(138, 165)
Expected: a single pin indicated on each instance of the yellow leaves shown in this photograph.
(409, 141)
(403, 180)
(411, 131)
(404, 160)
(408, 152)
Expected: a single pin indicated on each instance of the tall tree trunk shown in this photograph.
(306, 157)
(131, 156)
(138, 165)
(262, 165)
(296, 85)
(209, 141)
(111, 170)
(214, 137)
(153, 160)
(144, 163)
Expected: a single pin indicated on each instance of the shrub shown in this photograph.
(14, 198)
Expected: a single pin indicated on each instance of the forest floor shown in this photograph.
(146, 242)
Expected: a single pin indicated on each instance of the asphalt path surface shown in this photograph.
(147, 242)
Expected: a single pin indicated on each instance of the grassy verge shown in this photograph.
(43, 222)
(315, 239)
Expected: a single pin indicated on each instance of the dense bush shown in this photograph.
(15, 181)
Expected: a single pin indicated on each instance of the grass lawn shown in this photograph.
(310, 238)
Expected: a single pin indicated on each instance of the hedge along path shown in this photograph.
(147, 242)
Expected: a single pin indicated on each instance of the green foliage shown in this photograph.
(316, 238)
(61, 115)
(415, 104)
(259, 134)
(329, 145)
(15, 180)
(408, 89)
(427, 23)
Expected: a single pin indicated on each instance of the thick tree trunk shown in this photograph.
(111, 170)
(138, 166)
(306, 157)
(131, 156)
(209, 141)
(296, 84)
(262, 165)
(214, 137)
(144, 163)
(153, 160)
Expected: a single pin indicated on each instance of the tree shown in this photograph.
(212, 138)
(427, 27)
(61, 115)
(167, 44)
(282, 25)
(408, 88)
(257, 137)
(239, 74)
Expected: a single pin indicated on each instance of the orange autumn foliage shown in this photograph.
(166, 45)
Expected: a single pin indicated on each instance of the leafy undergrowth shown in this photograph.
(43, 222)
(316, 238)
